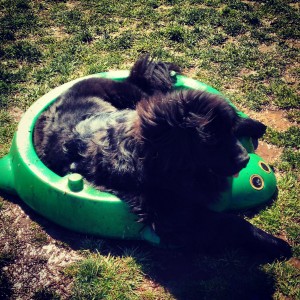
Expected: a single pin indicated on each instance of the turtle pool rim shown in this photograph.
(88, 210)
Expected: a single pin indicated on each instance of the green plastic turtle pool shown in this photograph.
(73, 204)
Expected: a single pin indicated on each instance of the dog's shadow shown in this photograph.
(186, 274)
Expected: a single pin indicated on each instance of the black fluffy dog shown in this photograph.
(167, 153)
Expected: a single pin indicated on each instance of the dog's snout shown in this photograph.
(244, 160)
(243, 157)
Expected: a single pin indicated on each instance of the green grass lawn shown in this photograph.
(249, 50)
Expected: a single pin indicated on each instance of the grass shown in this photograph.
(106, 277)
(289, 138)
(247, 49)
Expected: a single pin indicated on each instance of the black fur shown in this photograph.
(167, 153)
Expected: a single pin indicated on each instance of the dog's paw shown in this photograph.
(153, 76)
(275, 248)
(282, 250)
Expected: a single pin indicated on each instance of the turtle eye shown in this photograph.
(257, 182)
(264, 167)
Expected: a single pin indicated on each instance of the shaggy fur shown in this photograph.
(167, 153)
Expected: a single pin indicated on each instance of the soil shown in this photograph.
(16, 113)
(34, 251)
(269, 153)
(275, 119)
(35, 257)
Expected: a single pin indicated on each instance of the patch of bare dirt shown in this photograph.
(295, 5)
(37, 259)
(275, 119)
(58, 33)
(72, 4)
(246, 72)
(295, 262)
(293, 43)
(16, 114)
(269, 153)
(267, 48)
(192, 72)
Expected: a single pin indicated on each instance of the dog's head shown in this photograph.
(189, 130)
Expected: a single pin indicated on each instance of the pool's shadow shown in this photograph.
(187, 275)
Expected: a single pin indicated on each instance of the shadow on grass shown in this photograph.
(5, 286)
(229, 275)
(187, 275)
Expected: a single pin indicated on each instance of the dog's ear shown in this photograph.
(250, 127)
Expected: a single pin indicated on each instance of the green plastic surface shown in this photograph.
(72, 203)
